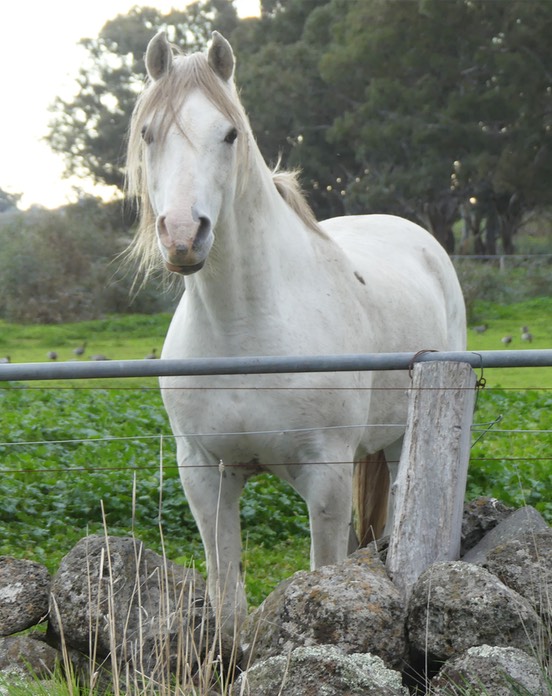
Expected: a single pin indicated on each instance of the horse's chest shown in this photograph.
(258, 420)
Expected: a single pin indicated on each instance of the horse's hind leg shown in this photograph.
(370, 497)
(213, 496)
(374, 492)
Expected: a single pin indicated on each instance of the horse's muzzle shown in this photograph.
(184, 246)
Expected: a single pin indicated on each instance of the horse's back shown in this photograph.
(409, 275)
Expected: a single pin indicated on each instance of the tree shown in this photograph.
(442, 104)
(290, 106)
(394, 66)
(508, 174)
(57, 265)
(89, 129)
(8, 201)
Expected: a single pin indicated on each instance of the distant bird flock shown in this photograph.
(79, 352)
(526, 335)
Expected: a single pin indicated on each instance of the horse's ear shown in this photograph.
(221, 57)
(158, 56)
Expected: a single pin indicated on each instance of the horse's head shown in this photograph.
(183, 149)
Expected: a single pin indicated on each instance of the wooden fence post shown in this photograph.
(431, 482)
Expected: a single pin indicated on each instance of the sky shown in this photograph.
(40, 57)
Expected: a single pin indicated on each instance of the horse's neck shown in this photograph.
(260, 245)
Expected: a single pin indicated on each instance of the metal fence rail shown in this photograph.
(267, 364)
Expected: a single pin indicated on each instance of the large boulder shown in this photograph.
(321, 669)
(524, 564)
(24, 589)
(353, 606)
(491, 670)
(112, 596)
(480, 516)
(455, 606)
(515, 525)
(27, 656)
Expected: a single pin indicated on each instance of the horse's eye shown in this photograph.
(231, 136)
(146, 134)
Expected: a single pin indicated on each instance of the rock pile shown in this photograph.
(483, 621)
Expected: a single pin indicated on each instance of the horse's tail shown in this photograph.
(370, 496)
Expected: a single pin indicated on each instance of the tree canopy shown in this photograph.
(8, 201)
(89, 129)
(429, 109)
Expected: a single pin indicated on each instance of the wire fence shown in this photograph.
(64, 447)
(251, 366)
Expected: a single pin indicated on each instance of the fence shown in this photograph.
(268, 364)
(418, 514)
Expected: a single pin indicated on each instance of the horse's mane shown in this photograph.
(288, 186)
(163, 97)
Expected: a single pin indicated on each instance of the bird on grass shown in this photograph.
(480, 329)
(506, 340)
(5, 360)
(152, 355)
(526, 335)
(79, 350)
(52, 355)
(99, 357)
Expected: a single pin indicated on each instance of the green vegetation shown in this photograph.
(66, 450)
(508, 320)
(114, 446)
(513, 459)
(118, 337)
(80, 275)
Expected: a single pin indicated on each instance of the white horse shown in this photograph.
(264, 278)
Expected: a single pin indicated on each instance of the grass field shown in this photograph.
(65, 449)
(132, 337)
(508, 320)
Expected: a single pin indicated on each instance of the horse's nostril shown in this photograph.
(204, 225)
(202, 231)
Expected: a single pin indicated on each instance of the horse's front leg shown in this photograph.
(213, 494)
(327, 490)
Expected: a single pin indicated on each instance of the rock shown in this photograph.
(332, 631)
(526, 519)
(455, 606)
(525, 565)
(318, 670)
(116, 596)
(353, 606)
(27, 655)
(492, 670)
(24, 588)
(480, 516)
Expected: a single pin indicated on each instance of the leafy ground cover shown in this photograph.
(74, 460)
(72, 457)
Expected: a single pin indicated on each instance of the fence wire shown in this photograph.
(261, 365)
